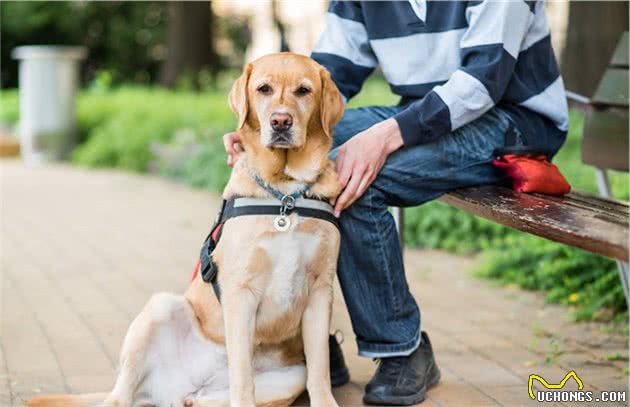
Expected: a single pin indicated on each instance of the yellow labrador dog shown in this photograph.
(265, 339)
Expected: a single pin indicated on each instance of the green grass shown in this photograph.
(122, 127)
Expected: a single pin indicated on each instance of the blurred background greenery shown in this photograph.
(143, 108)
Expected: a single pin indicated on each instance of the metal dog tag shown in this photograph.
(281, 223)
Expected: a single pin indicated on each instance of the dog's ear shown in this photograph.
(331, 103)
(238, 96)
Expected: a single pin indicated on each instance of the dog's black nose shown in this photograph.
(281, 121)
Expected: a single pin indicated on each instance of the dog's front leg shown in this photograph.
(315, 328)
(239, 309)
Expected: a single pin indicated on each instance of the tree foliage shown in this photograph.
(124, 38)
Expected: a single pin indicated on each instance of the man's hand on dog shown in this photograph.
(361, 158)
(233, 147)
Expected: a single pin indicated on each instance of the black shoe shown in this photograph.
(403, 381)
(339, 374)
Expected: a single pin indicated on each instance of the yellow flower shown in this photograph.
(573, 297)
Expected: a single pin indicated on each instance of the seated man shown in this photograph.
(473, 77)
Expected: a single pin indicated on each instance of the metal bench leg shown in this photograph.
(603, 184)
(399, 219)
(624, 274)
(601, 176)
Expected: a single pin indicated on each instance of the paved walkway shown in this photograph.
(81, 251)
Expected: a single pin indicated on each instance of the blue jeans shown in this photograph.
(384, 314)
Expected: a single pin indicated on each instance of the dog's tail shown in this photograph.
(67, 400)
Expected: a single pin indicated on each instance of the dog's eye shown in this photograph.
(264, 89)
(302, 90)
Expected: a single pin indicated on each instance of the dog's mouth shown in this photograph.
(281, 139)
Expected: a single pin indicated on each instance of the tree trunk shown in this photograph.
(189, 42)
(594, 29)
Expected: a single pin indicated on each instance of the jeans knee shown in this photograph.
(372, 200)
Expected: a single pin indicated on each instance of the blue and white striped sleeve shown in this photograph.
(344, 48)
(489, 49)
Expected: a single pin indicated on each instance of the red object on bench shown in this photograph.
(533, 173)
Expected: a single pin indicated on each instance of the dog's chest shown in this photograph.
(289, 254)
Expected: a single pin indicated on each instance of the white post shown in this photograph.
(48, 77)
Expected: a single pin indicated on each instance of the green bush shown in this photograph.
(202, 166)
(125, 127)
(9, 107)
(121, 126)
(436, 225)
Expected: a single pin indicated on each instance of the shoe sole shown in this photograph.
(404, 400)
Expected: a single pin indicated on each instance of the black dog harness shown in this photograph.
(281, 207)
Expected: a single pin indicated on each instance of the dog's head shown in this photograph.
(286, 99)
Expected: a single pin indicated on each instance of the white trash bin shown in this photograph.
(48, 82)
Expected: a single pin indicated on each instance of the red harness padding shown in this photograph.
(215, 237)
(533, 173)
(196, 271)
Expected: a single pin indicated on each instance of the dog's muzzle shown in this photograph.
(281, 133)
(281, 139)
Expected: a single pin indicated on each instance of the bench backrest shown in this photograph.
(605, 139)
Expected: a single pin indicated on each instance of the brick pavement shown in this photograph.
(81, 251)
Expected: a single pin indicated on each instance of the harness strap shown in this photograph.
(241, 206)
(308, 208)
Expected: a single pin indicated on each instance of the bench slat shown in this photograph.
(620, 57)
(606, 207)
(605, 140)
(588, 222)
(612, 89)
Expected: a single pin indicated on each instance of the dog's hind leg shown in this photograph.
(136, 349)
(132, 356)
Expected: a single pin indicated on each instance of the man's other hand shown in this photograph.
(361, 158)
(233, 147)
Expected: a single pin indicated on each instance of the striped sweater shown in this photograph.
(450, 61)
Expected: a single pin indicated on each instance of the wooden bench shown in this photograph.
(598, 224)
